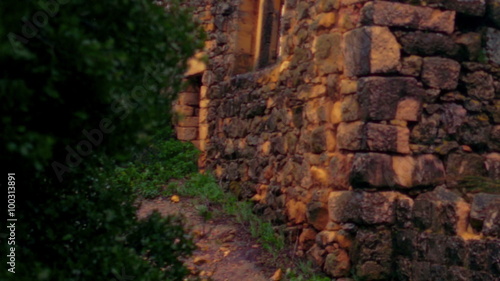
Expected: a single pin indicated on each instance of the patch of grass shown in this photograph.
(162, 161)
(305, 271)
(205, 188)
(479, 184)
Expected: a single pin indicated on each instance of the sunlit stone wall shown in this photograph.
(354, 141)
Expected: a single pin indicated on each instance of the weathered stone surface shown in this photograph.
(327, 5)
(455, 251)
(480, 85)
(350, 135)
(318, 140)
(423, 170)
(431, 247)
(493, 45)
(372, 170)
(186, 133)
(184, 110)
(477, 260)
(339, 170)
(462, 165)
(429, 171)
(387, 138)
(370, 50)
(421, 271)
(483, 206)
(328, 53)
(440, 73)
(494, 111)
(468, 7)
(441, 210)
(348, 87)
(403, 15)
(474, 131)
(188, 98)
(471, 43)
(411, 66)
(491, 225)
(368, 208)
(337, 263)
(307, 237)
(342, 206)
(189, 121)
(317, 215)
(408, 109)
(425, 132)
(296, 211)
(379, 97)
(349, 110)
(453, 116)
(428, 44)
(372, 254)
(492, 165)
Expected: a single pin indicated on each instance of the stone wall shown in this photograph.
(356, 138)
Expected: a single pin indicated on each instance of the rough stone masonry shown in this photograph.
(354, 138)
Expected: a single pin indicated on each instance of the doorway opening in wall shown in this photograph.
(258, 34)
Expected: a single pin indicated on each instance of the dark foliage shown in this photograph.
(83, 86)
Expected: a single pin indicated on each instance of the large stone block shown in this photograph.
(428, 44)
(339, 170)
(403, 15)
(372, 254)
(350, 136)
(387, 138)
(441, 211)
(468, 7)
(440, 73)
(372, 170)
(455, 251)
(422, 170)
(431, 247)
(370, 50)
(367, 208)
(380, 97)
(485, 207)
(342, 206)
(463, 165)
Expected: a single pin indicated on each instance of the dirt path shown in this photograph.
(226, 251)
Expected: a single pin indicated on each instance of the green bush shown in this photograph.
(163, 160)
(80, 92)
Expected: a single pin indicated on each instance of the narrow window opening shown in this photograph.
(258, 34)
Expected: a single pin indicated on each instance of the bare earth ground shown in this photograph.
(226, 250)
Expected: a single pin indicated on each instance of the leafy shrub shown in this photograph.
(80, 91)
(163, 160)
